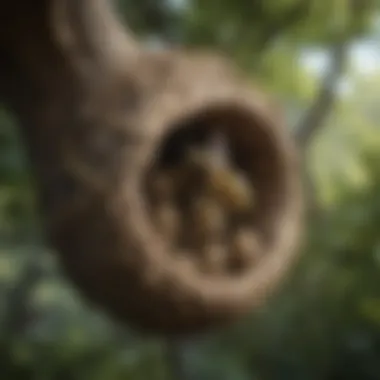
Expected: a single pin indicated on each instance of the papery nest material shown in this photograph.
(108, 243)
(120, 125)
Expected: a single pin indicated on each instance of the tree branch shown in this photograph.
(325, 100)
(91, 33)
(315, 117)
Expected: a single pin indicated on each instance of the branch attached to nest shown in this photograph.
(91, 35)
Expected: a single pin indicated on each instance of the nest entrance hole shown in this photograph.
(213, 187)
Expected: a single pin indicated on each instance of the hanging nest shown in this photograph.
(165, 229)
(169, 186)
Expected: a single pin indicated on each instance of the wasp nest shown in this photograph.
(169, 185)
(183, 215)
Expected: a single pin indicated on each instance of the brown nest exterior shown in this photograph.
(104, 123)
(109, 242)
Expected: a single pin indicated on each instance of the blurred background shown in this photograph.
(320, 61)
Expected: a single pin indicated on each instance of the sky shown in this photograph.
(365, 58)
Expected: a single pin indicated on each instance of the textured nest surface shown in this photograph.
(172, 244)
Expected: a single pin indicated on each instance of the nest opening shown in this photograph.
(214, 190)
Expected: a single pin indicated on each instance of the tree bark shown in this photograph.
(316, 117)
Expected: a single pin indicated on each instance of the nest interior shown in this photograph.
(214, 190)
